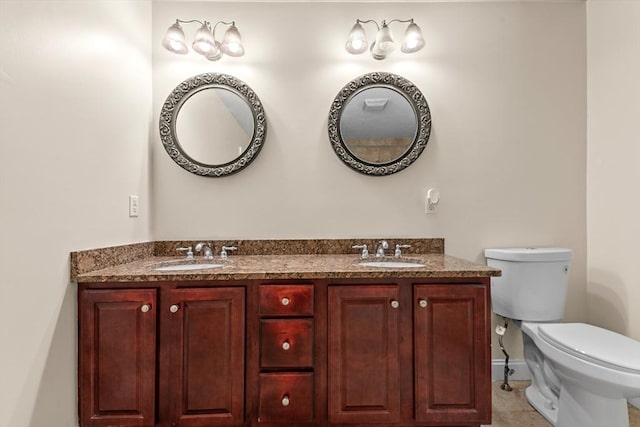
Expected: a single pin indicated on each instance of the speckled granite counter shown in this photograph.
(310, 259)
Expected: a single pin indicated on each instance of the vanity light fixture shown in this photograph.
(205, 42)
(383, 44)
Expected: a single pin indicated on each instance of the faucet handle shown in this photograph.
(365, 251)
(398, 251)
(188, 250)
(223, 251)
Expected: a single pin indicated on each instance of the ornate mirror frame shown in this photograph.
(181, 94)
(412, 95)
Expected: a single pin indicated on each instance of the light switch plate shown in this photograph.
(133, 206)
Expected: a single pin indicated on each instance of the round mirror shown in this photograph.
(379, 124)
(212, 125)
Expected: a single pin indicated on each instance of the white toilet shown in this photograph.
(582, 375)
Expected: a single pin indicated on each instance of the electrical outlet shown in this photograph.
(431, 200)
(429, 208)
(133, 206)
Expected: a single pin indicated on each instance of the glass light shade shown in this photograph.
(357, 40)
(216, 53)
(232, 42)
(384, 44)
(174, 40)
(413, 40)
(203, 43)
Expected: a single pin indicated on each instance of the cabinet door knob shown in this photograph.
(423, 303)
(286, 345)
(285, 400)
(174, 308)
(285, 301)
(145, 308)
(395, 304)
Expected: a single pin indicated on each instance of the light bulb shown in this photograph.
(357, 40)
(174, 40)
(203, 42)
(384, 44)
(232, 42)
(413, 40)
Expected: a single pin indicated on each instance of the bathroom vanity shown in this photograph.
(312, 339)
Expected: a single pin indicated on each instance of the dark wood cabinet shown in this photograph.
(363, 354)
(452, 354)
(287, 362)
(206, 347)
(271, 353)
(116, 353)
(199, 335)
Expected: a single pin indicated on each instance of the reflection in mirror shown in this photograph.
(379, 123)
(213, 125)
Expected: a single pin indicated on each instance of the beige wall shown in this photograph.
(506, 86)
(505, 82)
(613, 228)
(75, 113)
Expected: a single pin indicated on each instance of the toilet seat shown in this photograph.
(594, 344)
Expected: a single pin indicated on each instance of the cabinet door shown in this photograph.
(363, 354)
(452, 353)
(207, 356)
(116, 357)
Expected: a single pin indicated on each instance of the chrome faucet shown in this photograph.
(188, 251)
(365, 253)
(207, 251)
(398, 251)
(382, 246)
(223, 252)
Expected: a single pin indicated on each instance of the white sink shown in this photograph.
(187, 267)
(390, 264)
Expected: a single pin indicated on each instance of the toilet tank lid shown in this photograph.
(529, 254)
(597, 345)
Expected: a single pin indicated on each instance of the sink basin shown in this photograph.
(187, 267)
(391, 264)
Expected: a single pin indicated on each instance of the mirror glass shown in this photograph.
(212, 125)
(379, 123)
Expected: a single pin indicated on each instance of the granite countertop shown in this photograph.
(109, 265)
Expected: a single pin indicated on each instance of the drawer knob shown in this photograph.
(285, 400)
(286, 345)
(423, 303)
(174, 308)
(395, 304)
(285, 301)
(145, 308)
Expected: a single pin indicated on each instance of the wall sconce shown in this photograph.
(205, 42)
(383, 45)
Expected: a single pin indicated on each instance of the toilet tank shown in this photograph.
(534, 282)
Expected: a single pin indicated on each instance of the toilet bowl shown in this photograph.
(582, 375)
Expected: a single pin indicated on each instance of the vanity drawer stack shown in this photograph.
(286, 353)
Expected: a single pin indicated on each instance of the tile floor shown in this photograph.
(511, 409)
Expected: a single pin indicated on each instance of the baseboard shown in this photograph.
(635, 402)
(520, 370)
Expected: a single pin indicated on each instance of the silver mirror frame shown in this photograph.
(400, 85)
(182, 93)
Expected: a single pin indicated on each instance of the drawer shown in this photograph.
(286, 300)
(286, 343)
(286, 397)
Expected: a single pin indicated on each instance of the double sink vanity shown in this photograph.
(282, 333)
